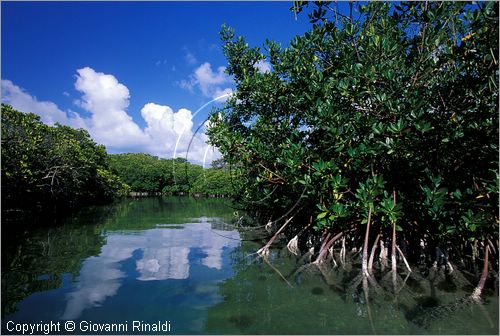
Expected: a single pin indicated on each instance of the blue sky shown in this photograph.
(132, 73)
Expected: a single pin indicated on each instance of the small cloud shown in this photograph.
(211, 83)
(186, 84)
(190, 58)
(161, 62)
(263, 66)
(65, 93)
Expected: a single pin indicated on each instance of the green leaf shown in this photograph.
(321, 215)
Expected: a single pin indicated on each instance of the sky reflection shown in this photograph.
(164, 254)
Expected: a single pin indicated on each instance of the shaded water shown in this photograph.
(174, 260)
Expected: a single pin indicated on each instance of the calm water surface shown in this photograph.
(183, 261)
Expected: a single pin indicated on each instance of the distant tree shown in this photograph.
(147, 173)
(180, 160)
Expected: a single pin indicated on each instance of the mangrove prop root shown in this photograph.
(493, 249)
(404, 259)
(326, 247)
(330, 250)
(474, 252)
(293, 245)
(476, 295)
(383, 256)
(342, 252)
(268, 226)
(264, 251)
(448, 264)
(325, 241)
(364, 264)
(374, 248)
(404, 283)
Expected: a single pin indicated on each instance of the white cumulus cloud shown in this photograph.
(167, 132)
(211, 83)
(48, 111)
(107, 99)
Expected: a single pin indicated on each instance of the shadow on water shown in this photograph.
(39, 260)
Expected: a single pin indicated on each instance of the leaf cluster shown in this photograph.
(401, 101)
(45, 166)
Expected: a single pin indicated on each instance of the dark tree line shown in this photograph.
(58, 168)
(149, 174)
(52, 167)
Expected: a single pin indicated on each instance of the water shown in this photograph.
(176, 264)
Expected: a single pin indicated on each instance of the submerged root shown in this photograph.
(278, 272)
(424, 316)
(353, 285)
(394, 283)
(367, 301)
(330, 277)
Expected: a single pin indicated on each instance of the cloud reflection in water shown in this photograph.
(165, 255)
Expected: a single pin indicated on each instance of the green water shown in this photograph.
(177, 262)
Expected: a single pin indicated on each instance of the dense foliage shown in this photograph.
(394, 111)
(150, 174)
(52, 166)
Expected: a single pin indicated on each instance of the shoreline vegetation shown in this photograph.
(58, 169)
(374, 132)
